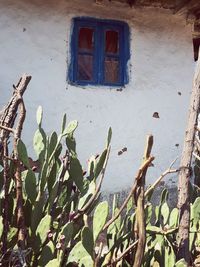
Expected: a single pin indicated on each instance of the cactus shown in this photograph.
(43, 228)
(39, 142)
(165, 212)
(87, 240)
(30, 185)
(57, 214)
(76, 173)
(71, 127)
(53, 263)
(39, 115)
(22, 153)
(181, 263)
(77, 253)
(47, 254)
(99, 219)
(86, 262)
(173, 218)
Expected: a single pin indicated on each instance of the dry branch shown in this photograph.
(166, 172)
(147, 192)
(140, 213)
(5, 210)
(185, 170)
(7, 121)
(131, 193)
(18, 179)
(123, 254)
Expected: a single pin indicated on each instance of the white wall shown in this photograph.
(161, 65)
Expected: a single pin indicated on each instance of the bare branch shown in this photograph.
(185, 173)
(166, 172)
(138, 176)
(125, 252)
(98, 255)
(7, 120)
(196, 156)
(140, 225)
(18, 180)
(7, 129)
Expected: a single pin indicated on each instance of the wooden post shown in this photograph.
(7, 122)
(185, 170)
(140, 212)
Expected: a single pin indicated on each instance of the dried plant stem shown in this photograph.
(197, 128)
(9, 113)
(166, 172)
(138, 176)
(96, 264)
(7, 129)
(196, 156)
(185, 170)
(5, 210)
(7, 121)
(18, 180)
(140, 213)
(124, 253)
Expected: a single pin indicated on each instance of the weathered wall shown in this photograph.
(35, 38)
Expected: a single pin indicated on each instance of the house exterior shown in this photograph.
(147, 93)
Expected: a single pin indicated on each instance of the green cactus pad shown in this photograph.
(99, 219)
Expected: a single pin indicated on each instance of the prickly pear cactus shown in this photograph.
(65, 223)
(55, 193)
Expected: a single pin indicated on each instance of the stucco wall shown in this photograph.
(35, 38)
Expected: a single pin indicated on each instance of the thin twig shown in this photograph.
(7, 129)
(196, 156)
(123, 254)
(168, 171)
(197, 128)
(197, 139)
(98, 255)
(9, 158)
(197, 187)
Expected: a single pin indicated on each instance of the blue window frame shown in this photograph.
(99, 52)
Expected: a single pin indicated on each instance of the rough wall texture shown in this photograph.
(35, 38)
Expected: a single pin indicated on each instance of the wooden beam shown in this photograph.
(185, 170)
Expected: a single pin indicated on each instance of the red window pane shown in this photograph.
(86, 39)
(85, 67)
(112, 42)
(111, 70)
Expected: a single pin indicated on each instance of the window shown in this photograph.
(99, 52)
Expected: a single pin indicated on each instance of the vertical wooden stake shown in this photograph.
(185, 170)
(140, 212)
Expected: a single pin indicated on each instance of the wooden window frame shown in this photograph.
(100, 26)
